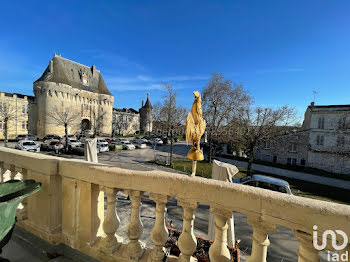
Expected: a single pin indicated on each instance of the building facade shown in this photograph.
(323, 141)
(69, 87)
(130, 122)
(18, 109)
(125, 121)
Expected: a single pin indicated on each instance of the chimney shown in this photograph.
(148, 96)
(142, 104)
(51, 66)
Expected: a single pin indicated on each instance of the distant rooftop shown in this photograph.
(18, 95)
(126, 110)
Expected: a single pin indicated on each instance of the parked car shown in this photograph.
(102, 145)
(52, 145)
(127, 145)
(78, 150)
(72, 142)
(265, 182)
(45, 145)
(27, 137)
(27, 145)
(159, 141)
(51, 136)
(138, 143)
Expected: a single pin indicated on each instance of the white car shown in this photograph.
(159, 141)
(127, 145)
(72, 143)
(102, 145)
(138, 143)
(27, 145)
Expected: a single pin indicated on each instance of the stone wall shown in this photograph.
(96, 108)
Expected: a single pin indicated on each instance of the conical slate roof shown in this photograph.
(148, 102)
(65, 71)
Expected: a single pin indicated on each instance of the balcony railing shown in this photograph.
(70, 209)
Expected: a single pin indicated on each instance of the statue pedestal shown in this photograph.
(195, 154)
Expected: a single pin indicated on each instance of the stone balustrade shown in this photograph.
(70, 209)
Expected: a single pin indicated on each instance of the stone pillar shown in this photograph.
(306, 252)
(218, 251)
(187, 240)
(159, 233)
(111, 223)
(260, 239)
(135, 228)
(22, 213)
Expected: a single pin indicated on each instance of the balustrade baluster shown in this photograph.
(218, 251)
(260, 239)
(307, 252)
(111, 223)
(135, 228)
(22, 213)
(159, 233)
(187, 240)
(8, 175)
(2, 171)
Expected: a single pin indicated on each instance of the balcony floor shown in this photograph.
(25, 247)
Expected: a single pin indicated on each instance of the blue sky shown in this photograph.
(279, 50)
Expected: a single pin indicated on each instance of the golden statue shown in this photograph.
(195, 127)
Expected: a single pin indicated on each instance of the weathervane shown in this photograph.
(195, 127)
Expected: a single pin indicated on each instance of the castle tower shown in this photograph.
(146, 120)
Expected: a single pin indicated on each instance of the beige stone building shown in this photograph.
(125, 121)
(130, 122)
(68, 86)
(323, 142)
(17, 108)
(65, 88)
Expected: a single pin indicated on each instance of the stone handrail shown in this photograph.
(71, 208)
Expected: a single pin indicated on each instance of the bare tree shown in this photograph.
(221, 101)
(255, 124)
(97, 121)
(66, 117)
(169, 114)
(7, 114)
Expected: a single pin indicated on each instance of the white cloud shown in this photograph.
(143, 82)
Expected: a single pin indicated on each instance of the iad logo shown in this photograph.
(333, 236)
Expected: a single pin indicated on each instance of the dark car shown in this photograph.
(27, 137)
(265, 182)
(51, 136)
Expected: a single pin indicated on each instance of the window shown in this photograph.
(266, 144)
(292, 148)
(0, 124)
(340, 141)
(27, 125)
(342, 123)
(319, 140)
(302, 162)
(321, 123)
(23, 109)
(23, 125)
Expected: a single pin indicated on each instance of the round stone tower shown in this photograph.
(146, 120)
